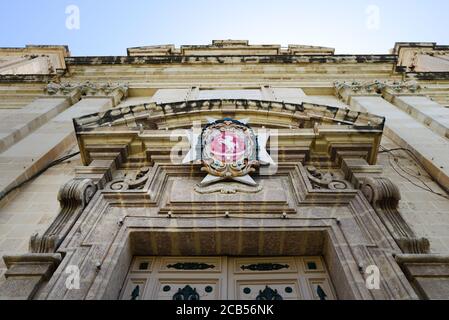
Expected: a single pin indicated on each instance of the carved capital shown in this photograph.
(115, 91)
(347, 89)
(411, 87)
(104, 89)
(66, 90)
(401, 88)
(73, 196)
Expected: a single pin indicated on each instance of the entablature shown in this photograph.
(299, 131)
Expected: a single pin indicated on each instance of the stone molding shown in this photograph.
(130, 114)
(428, 273)
(227, 188)
(384, 196)
(26, 274)
(73, 196)
(32, 258)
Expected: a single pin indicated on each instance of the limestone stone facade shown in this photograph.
(360, 179)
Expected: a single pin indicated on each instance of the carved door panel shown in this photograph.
(222, 278)
(137, 283)
(196, 278)
(174, 278)
(263, 279)
(277, 278)
(187, 289)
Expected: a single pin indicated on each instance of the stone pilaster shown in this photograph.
(410, 98)
(402, 128)
(23, 122)
(44, 145)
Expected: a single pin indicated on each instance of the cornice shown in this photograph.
(129, 114)
(428, 76)
(229, 59)
(28, 78)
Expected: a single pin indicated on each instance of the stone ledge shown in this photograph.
(428, 273)
(26, 274)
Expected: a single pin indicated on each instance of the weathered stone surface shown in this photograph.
(341, 189)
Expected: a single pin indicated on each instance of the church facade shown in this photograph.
(227, 171)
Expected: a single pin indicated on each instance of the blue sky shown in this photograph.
(108, 27)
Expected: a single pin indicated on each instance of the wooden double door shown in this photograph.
(228, 278)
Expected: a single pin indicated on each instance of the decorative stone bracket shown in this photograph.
(384, 196)
(74, 196)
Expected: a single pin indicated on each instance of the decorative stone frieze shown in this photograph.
(410, 87)
(346, 90)
(133, 181)
(74, 196)
(115, 91)
(64, 90)
(327, 180)
(228, 188)
(384, 195)
(401, 88)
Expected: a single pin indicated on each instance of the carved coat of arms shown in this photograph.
(228, 150)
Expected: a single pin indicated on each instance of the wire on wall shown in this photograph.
(427, 187)
(50, 165)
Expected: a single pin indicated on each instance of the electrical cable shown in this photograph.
(390, 153)
(410, 174)
(51, 164)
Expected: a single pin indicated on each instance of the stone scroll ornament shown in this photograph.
(228, 150)
(73, 196)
